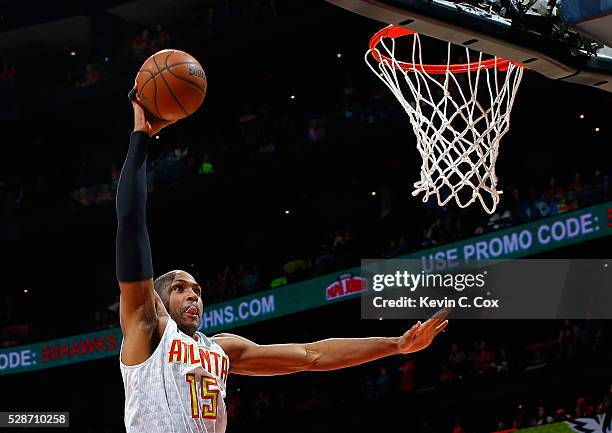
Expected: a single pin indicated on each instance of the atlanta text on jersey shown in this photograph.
(213, 362)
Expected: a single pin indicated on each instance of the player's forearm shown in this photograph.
(337, 353)
(133, 248)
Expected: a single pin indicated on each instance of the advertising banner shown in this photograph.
(518, 241)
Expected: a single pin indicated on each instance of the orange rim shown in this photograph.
(393, 31)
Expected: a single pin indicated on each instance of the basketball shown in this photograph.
(171, 84)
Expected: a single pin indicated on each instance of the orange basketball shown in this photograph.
(171, 84)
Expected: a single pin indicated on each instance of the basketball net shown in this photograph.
(459, 113)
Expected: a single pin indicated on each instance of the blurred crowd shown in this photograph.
(518, 206)
(85, 70)
(341, 249)
(530, 417)
(181, 163)
(396, 383)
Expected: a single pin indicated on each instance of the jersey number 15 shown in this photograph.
(209, 394)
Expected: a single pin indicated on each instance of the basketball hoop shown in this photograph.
(458, 121)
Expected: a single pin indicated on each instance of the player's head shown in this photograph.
(182, 297)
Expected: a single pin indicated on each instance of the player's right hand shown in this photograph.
(145, 121)
(421, 335)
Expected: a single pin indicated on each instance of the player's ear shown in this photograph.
(162, 302)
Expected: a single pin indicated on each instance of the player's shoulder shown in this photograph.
(226, 336)
(223, 335)
(232, 344)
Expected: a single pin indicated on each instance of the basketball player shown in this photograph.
(175, 377)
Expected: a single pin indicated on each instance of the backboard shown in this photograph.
(534, 33)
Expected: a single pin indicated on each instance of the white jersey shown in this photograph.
(179, 389)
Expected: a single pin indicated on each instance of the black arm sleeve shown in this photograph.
(134, 261)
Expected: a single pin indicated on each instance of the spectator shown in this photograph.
(8, 74)
(562, 415)
(251, 279)
(501, 219)
(311, 402)
(369, 387)
(206, 166)
(448, 229)
(458, 230)
(325, 258)
(458, 428)
(501, 426)
(582, 409)
(3, 194)
(267, 148)
(554, 193)
(446, 375)
(428, 241)
(161, 40)
(541, 417)
(108, 317)
(233, 405)
(402, 245)
(170, 167)
(295, 266)
(483, 359)
(528, 208)
(386, 204)
(180, 151)
(91, 76)
(501, 362)
(522, 418)
(513, 200)
(316, 130)
(457, 359)
(349, 243)
(407, 375)
(262, 403)
(437, 233)
(605, 407)
(480, 228)
(338, 242)
(391, 250)
(567, 339)
(383, 383)
(142, 45)
(576, 184)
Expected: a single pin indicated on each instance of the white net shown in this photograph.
(459, 118)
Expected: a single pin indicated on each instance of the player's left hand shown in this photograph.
(421, 335)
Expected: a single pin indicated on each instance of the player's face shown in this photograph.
(185, 302)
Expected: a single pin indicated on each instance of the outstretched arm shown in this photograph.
(252, 359)
(133, 252)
